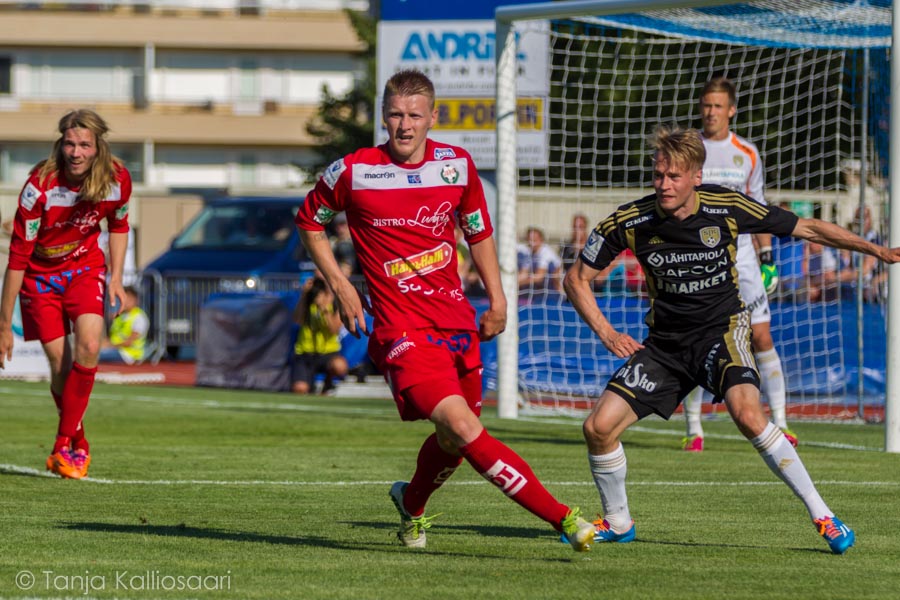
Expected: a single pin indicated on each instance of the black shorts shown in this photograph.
(307, 366)
(657, 378)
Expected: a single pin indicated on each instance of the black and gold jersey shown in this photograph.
(689, 265)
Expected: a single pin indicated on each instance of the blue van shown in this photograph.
(235, 244)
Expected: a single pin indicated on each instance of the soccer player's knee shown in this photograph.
(447, 444)
(300, 387)
(87, 349)
(593, 431)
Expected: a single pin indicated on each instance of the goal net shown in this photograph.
(812, 82)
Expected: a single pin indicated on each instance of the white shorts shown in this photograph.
(750, 281)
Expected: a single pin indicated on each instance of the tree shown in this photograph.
(345, 123)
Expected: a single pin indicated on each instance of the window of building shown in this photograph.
(5, 75)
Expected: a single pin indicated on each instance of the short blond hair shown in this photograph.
(408, 82)
(683, 147)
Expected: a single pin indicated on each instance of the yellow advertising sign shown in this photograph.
(479, 113)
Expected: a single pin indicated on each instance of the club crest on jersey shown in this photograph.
(32, 226)
(710, 236)
(333, 173)
(472, 222)
(442, 153)
(449, 174)
(738, 160)
(29, 196)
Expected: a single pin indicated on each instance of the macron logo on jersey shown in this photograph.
(333, 173)
(442, 153)
(29, 196)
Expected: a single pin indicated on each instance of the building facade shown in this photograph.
(199, 95)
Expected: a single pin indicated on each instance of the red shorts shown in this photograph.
(427, 365)
(51, 300)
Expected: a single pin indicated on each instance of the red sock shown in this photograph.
(75, 396)
(433, 468)
(78, 442)
(500, 465)
(60, 443)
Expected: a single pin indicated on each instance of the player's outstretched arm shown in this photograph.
(348, 298)
(829, 234)
(577, 285)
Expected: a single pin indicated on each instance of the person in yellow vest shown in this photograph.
(318, 348)
(127, 333)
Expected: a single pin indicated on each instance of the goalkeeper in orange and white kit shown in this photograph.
(734, 162)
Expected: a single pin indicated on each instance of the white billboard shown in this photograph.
(459, 57)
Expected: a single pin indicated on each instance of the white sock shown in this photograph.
(609, 475)
(693, 408)
(784, 461)
(771, 377)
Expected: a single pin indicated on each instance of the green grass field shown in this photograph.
(255, 495)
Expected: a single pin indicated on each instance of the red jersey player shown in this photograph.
(58, 271)
(402, 200)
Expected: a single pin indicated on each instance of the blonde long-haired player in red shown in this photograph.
(59, 273)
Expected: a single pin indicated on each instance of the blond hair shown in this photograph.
(408, 82)
(683, 147)
(102, 175)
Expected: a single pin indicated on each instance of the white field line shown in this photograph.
(389, 409)
(6, 469)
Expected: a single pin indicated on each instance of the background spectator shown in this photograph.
(874, 272)
(820, 268)
(571, 249)
(540, 266)
(318, 348)
(127, 339)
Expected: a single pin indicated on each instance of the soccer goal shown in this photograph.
(812, 79)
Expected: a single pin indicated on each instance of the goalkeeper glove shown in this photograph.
(769, 270)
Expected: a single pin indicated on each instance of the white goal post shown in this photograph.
(508, 381)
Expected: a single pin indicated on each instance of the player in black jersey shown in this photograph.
(685, 239)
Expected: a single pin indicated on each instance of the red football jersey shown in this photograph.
(402, 220)
(54, 230)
